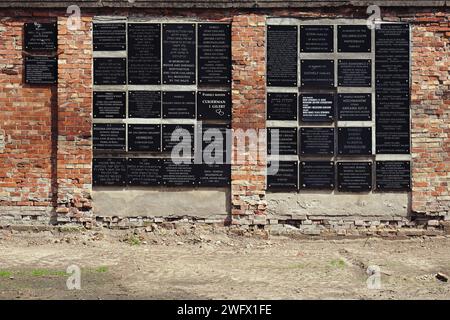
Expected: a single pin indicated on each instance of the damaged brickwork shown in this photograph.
(46, 139)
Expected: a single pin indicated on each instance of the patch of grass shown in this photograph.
(47, 272)
(134, 241)
(101, 269)
(337, 263)
(5, 274)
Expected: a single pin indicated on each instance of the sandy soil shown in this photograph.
(199, 263)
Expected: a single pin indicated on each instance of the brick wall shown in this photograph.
(74, 159)
(41, 124)
(26, 167)
(431, 113)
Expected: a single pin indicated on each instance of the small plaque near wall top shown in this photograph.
(109, 36)
(354, 38)
(40, 36)
(316, 39)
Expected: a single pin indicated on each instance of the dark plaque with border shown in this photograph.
(144, 172)
(144, 104)
(354, 38)
(179, 53)
(40, 36)
(214, 142)
(213, 175)
(41, 70)
(355, 141)
(316, 38)
(317, 175)
(316, 107)
(317, 141)
(392, 53)
(354, 176)
(180, 134)
(282, 56)
(178, 174)
(317, 73)
(144, 137)
(355, 106)
(108, 136)
(282, 175)
(144, 53)
(109, 104)
(213, 105)
(109, 36)
(214, 53)
(281, 106)
(178, 104)
(393, 175)
(109, 172)
(110, 71)
(284, 141)
(355, 73)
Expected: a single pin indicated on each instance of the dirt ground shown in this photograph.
(214, 263)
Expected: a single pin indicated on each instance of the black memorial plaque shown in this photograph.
(355, 106)
(317, 175)
(213, 175)
(144, 172)
(214, 53)
(109, 172)
(282, 175)
(144, 53)
(177, 174)
(317, 73)
(144, 104)
(282, 141)
(108, 136)
(281, 106)
(144, 137)
(316, 107)
(355, 72)
(178, 104)
(392, 135)
(109, 104)
(354, 38)
(317, 141)
(282, 56)
(393, 175)
(109, 36)
(316, 38)
(182, 134)
(215, 141)
(355, 141)
(40, 36)
(179, 53)
(354, 176)
(41, 70)
(392, 52)
(110, 71)
(214, 105)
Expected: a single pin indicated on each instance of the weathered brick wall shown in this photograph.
(26, 167)
(74, 159)
(31, 116)
(248, 57)
(431, 113)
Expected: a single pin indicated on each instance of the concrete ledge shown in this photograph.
(161, 202)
